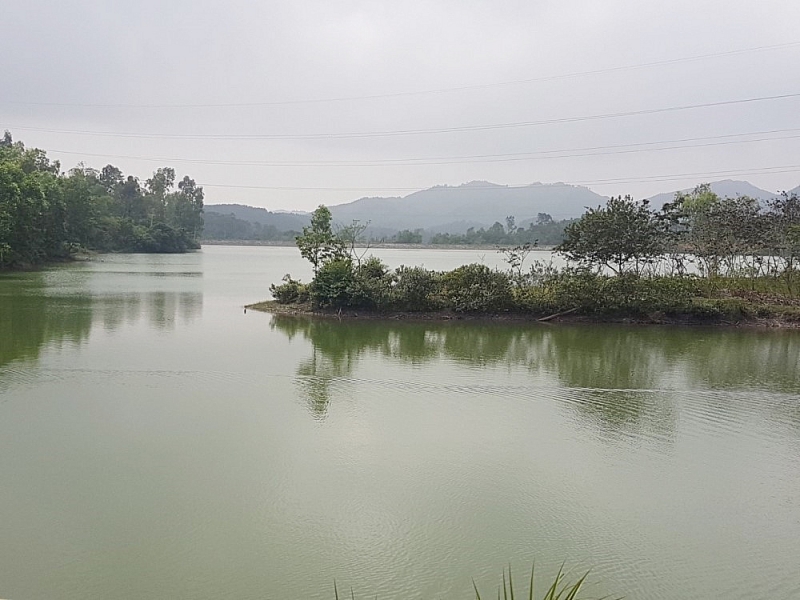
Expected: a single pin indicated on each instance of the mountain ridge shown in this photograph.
(475, 201)
(454, 209)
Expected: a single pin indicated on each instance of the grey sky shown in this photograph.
(252, 66)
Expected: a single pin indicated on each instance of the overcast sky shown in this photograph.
(268, 103)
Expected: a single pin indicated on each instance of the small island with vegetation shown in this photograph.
(700, 259)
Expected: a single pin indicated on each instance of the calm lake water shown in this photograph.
(157, 442)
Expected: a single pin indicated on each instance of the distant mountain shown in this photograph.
(725, 188)
(282, 221)
(443, 209)
(795, 191)
(474, 204)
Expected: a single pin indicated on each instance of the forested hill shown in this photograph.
(46, 214)
(282, 221)
(239, 222)
(443, 208)
(440, 209)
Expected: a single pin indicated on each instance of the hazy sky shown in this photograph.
(287, 105)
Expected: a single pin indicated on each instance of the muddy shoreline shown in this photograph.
(306, 311)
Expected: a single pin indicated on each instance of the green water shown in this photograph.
(158, 442)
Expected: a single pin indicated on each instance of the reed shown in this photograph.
(561, 587)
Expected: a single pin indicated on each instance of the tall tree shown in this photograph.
(623, 236)
(110, 176)
(130, 200)
(318, 244)
(185, 208)
(158, 187)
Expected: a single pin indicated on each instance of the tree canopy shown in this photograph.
(318, 243)
(46, 214)
(623, 235)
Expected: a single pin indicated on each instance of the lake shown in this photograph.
(158, 442)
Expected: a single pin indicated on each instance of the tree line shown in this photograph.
(719, 237)
(46, 214)
(542, 231)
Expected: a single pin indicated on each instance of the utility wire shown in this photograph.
(699, 175)
(404, 132)
(486, 158)
(575, 74)
(653, 178)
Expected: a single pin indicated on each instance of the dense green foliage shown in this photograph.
(476, 288)
(623, 236)
(628, 262)
(733, 236)
(46, 214)
(318, 244)
(720, 237)
(544, 231)
(416, 288)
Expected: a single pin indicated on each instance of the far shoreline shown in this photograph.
(385, 245)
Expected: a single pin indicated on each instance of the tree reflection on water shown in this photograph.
(619, 377)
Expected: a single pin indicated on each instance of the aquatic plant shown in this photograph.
(559, 588)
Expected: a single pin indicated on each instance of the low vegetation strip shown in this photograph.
(569, 295)
(626, 262)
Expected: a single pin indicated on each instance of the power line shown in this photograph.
(541, 79)
(653, 178)
(700, 175)
(485, 158)
(404, 132)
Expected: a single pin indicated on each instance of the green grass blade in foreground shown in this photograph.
(576, 588)
(531, 588)
(559, 589)
(551, 592)
(475, 587)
